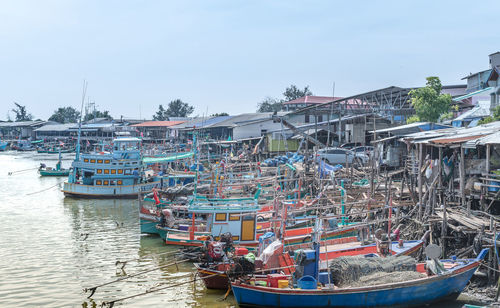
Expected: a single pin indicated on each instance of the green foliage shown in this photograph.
(175, 108)
(413, 119)
(178, 108)
(161, 114)
(221, 114)
(65, 115)
(292, 92)
(492, 118)
(97, 114)
(21, 113)
(270, 104)
(446, 116)
(428, 102)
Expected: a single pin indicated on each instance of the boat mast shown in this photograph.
(77, 156)
(196, 161)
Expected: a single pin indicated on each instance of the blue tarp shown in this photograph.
(289, 158)
(325, 169)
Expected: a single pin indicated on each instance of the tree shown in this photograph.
(21, 113)
(428, 102)
(178, 108)
(270, 104)
(161, 114)
(65, 115)
(292, 92)
(492, 118)
(221, 114)
(97, 114)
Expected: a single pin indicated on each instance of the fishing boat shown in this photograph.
(116, 174)
(3, 145)
(216, 272)
(23, 145)
(57, 171)
(416, 292)
(235, 216)
(54, 151)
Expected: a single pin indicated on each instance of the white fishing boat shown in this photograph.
(116, 174)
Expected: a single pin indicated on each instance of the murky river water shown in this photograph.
(52, 247)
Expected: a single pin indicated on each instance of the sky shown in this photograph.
(227, 56)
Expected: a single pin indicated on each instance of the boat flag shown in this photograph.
(155, 196)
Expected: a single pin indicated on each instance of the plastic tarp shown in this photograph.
(326, 169)
(274, 249)
(166, 159)
(290, 158)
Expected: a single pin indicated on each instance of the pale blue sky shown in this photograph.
(228, 55)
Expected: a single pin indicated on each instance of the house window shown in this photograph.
(99, 171)
(119, 182)
(120, 171)
(113, 171)
(111, 182)
(236, 238)
(107, 161)
(106, 171)
(220, 217)
(86, 160)
(99, 161)
(92, 161)
(234, 217)
(306, 118)
(106, 182)
(98, 182)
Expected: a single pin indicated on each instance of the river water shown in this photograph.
(52, 247)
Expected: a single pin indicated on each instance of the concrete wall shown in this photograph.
(495, 60)
(255, 129)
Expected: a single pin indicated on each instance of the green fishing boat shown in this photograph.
(57, 171)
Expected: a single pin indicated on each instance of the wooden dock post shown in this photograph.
(462, 178)
(420, 180)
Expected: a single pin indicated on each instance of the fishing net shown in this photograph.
(383, 278)
(346, 270)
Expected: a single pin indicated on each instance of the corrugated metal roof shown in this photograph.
(455, 139)
(482, 109)
(200, 122)
(455, 134)
(242, 119)
(490, 139)
(22, 123)
(311, 99)
(158, 123)
(56, 127)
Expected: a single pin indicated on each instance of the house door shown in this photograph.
(248, 228)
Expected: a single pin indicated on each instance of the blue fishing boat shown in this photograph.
(3, 145)
(116, 174)
(431, 288)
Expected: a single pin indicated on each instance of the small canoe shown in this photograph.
(416, 292)
(54, 172)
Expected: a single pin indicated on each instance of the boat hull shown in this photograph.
(413, 293)
(54, 172)
(91, 191)
(214, 279)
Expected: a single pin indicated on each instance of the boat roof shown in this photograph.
(126, 139)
